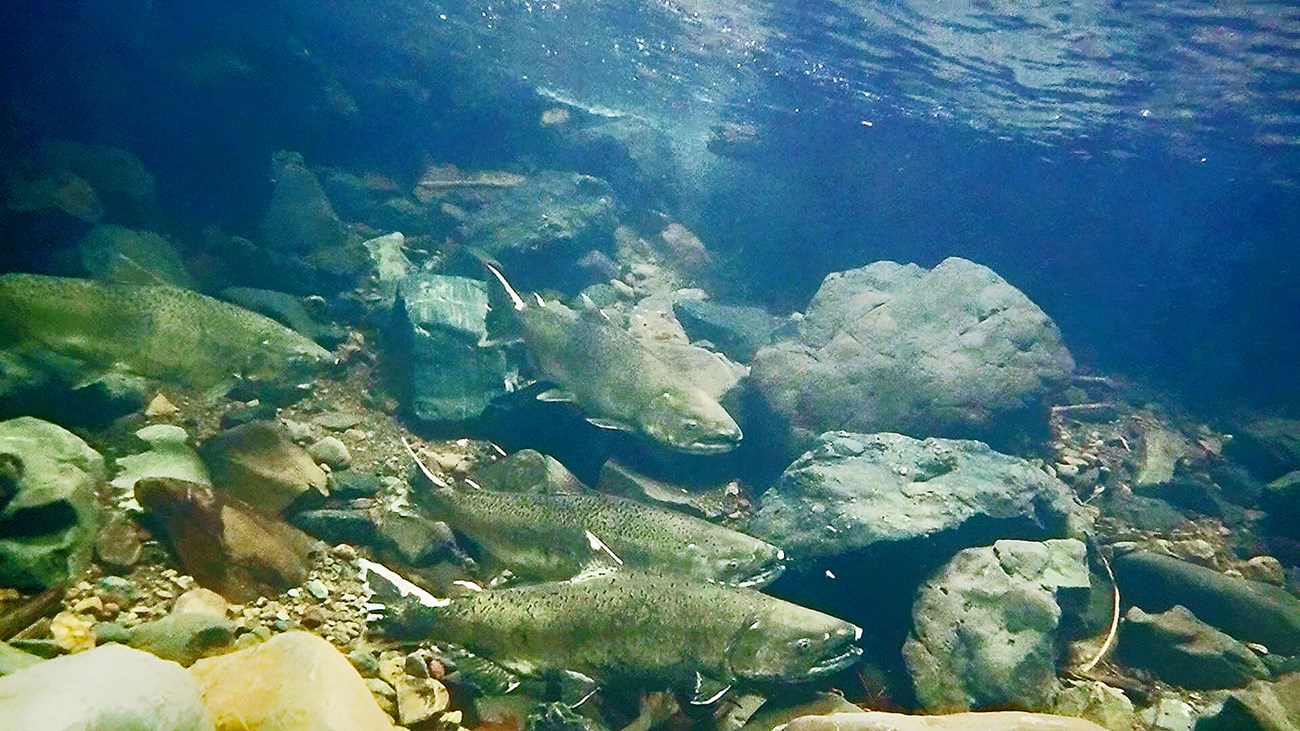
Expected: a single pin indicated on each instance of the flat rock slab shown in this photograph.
(853, 492)
(954, 351)
(109, 687)
(1247, 610)
(999, 721)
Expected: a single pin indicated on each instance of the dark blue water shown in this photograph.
(1132, 166)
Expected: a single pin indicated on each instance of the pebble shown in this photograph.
(313, 617)
(365, 662)
(317, 589)
(204, 601)
(159, 406)
(331, 451)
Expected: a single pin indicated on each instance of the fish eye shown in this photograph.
(803, 643)
(733, 564)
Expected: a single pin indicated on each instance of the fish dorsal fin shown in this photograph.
(600, 549)
(590, 309)
(556, 395)
(708, 690)
(575, 688)
(611, 424)
(424, 469)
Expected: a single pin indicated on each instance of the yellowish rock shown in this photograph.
(159, 407)
(72, 632)
(992, 721)
(295, 681)
(419, 699)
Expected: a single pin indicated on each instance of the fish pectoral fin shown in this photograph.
(574, 687)
(610, 424)
(708, 690)
(556, 395)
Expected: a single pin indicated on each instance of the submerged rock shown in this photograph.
(537, 227)
(295, 675)
(48, 519)
(1182, 650)
(529, 471)
(259, 464)
(74, 331)
(1261, 706)
(985, 627)
(955, 351)
(441, 323)
(225, 544)
(1269, 448)
(300, 219)
(739, 332)
(1249, 611)
(110, 687)
(855, 493)
(193, 629)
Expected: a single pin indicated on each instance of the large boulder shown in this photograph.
(985, 627)
(48, 479)
(1269, 448)
(295, 680)
(448, 376)
(955, 351)
(109, 688)
(862, 493)
(1247, 610)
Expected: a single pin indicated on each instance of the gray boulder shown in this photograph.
(440, 322)
(985, 627)
(259, 464)
(1247, 610)
(48, 521)
(863, 494)
(1260, 706)
(109, 687)
(955, 351)
(1182, 650)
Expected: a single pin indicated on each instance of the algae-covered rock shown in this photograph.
(954, 351)
(984, 633)
(118, 254)
(48, 478)
(529, 471)
(295, 675)
(441, 323)
(107, 688)
(74, 331)
(737, 331)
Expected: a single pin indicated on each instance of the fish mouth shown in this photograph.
(718, 446)
(762, 577)
(834, 664)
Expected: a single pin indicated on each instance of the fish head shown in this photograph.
(747, 562)
(690, 421)
(787, 643)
